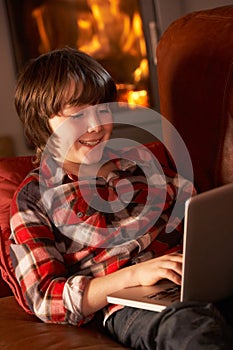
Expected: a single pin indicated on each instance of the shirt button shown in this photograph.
(79, 214)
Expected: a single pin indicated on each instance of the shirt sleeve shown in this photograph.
(39, 265)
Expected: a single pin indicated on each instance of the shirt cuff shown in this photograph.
(73, 298)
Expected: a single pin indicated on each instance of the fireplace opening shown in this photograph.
(120, 34)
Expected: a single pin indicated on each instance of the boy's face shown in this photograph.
(83, 131)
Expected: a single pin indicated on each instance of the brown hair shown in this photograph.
(44, 85)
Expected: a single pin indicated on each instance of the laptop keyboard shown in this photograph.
(171, 293)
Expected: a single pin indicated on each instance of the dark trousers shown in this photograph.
(182, 326)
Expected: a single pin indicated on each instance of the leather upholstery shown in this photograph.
(21, 331)
(195, 77)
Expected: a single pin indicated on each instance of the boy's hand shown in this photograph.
(146, 273)
(150, 272)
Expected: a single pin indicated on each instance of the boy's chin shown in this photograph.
(90, 161)
(93, 157)
(85, 160)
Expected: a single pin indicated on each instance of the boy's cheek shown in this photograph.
(109, 128)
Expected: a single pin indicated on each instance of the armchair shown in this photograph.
(195, 78)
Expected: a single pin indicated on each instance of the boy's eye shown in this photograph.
(77, 115)
(103, 111)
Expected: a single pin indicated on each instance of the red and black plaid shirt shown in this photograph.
(60, 240)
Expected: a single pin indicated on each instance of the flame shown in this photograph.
(142, 71)
(138, 98)
(117, 32)
(106, 32)
(131, 96)
(45, 43)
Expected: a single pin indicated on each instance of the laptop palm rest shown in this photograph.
(154, 298)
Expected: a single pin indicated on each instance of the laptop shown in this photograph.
(207, 257)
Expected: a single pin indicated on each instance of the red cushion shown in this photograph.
(4, 288)
(7, 270)
(12, 172)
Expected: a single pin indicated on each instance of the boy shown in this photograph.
(69, 253)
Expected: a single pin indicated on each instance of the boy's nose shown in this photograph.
(94, 124)
(96, 128)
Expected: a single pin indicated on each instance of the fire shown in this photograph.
(111, 35)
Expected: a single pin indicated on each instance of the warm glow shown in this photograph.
(142, 71)
(109, 34)
(84, 24)
(138, 98)
(38, 15)
(133, 97)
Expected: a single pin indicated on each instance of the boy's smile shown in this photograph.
(81, 129)
(90, 143)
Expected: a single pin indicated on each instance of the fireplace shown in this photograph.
(120, 34)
